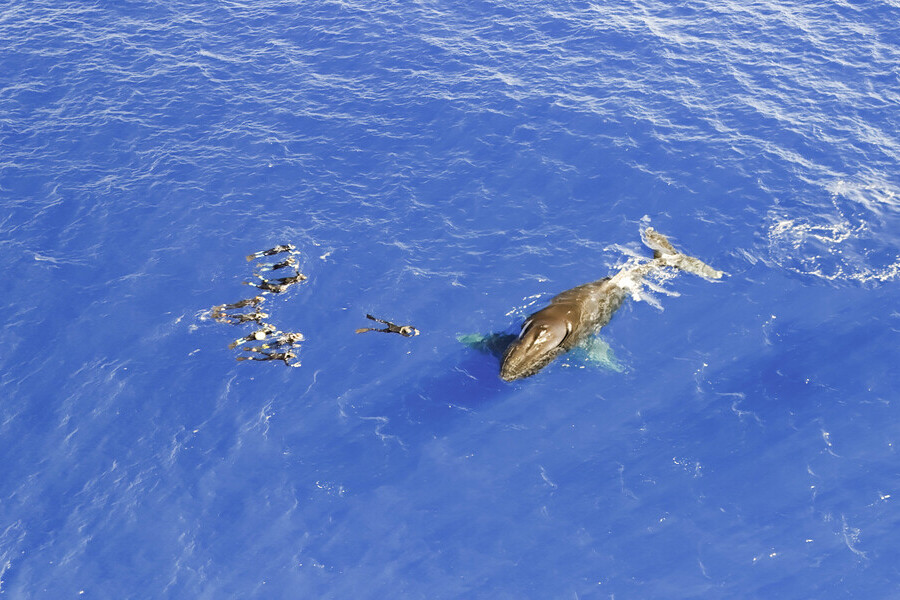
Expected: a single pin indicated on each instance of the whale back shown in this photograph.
(588, 307)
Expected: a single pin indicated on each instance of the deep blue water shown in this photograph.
(450, 165)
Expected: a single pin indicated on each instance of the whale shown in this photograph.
(580, 312)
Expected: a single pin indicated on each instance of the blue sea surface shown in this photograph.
(450, 165)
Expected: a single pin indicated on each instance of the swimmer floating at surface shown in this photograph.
(267, 350)
(257, 336)
(271, 251)
(297, 277)
(278, 285)
(221, 316)
(256, 300)
(285, 339)
(288, 262)
(291, 340)
(219, 310)
(287, 357)
(404, 330)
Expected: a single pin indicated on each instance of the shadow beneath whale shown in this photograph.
(494, 344)
(466, 389)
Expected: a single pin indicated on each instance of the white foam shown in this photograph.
(846, 243)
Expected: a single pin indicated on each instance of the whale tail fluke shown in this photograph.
(657, 242)
(666, 254)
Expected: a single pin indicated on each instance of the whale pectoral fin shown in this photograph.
(595, 352)
(601, 354)
(492, 343)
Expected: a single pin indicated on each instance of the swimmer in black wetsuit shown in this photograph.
(271, 251)
(286, 339)
(256, 316)
(241, 304)
(289, 340)
(264, 355)
(257, 336)
(278, 285)
(297, 277)
(288, 262)
(219, 311)
(404, 330)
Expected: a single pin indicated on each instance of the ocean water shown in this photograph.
(451, 165)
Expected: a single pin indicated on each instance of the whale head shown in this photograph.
(540, 341)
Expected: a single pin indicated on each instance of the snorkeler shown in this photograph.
(291, 340)
(404, 330)
(257, 336)
(219, 311)
(256, 300)
(271, 251)
(235, 318)
(286, 339)
(288, 262)
(276, 286)
(283, 356)
(297, 277)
